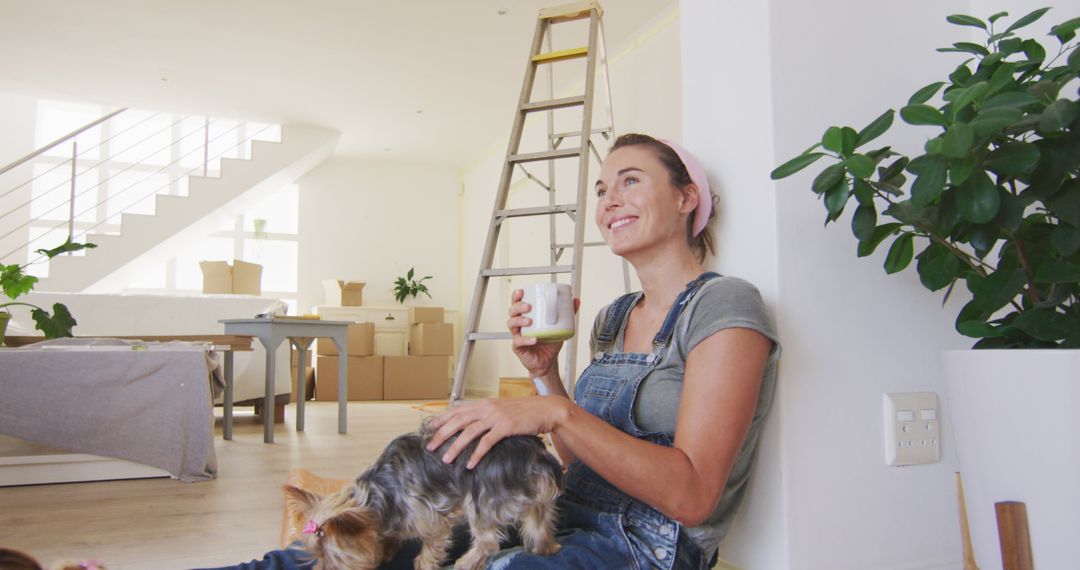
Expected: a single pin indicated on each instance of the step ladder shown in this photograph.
(543, 56)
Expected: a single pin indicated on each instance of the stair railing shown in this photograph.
(96, 178)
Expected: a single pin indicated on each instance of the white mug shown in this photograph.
(552, 311)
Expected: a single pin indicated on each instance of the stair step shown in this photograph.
(540, 270)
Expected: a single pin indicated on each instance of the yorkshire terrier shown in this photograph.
(410, 493)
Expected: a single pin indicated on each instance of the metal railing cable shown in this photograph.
(106, 179)
(155, 191)
(60, 140)
(93, 167)
(82, 152)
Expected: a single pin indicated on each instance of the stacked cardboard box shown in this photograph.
(425, 373)
(309, 374)
(341, 293)
(240, 278)
(365, 381)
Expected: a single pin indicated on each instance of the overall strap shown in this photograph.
(663, 336)
(613, 321)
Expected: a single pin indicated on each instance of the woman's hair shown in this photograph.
(15, 560)
(704, 242)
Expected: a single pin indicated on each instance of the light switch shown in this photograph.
(909, 441)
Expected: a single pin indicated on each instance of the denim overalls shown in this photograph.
(604, 527)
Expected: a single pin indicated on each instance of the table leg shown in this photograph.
(228, 393)
(343, 390)
(301, 384)
(268, 396)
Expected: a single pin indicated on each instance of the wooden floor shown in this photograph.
(165, 524)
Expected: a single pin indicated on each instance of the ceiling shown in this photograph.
(432, 81)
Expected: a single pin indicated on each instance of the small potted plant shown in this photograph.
(992, 205)
(15, 282)
(405, 287)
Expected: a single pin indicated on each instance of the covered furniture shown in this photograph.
(146, 403)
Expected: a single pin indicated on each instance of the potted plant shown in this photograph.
(15, 283)
(405, 287)
(991, 205)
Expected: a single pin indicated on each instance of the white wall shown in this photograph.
(18, 115)
(762, 81)
(645, 85)
(366, 220)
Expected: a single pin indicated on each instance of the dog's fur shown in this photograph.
(410, 493)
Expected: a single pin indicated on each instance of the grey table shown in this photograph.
(271, 332)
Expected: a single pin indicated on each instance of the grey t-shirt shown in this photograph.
(721, 303)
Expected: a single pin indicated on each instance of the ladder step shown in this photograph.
(572, 11)
(561, 55)
(570, 245)
(553, 104)
(546, 155)
(490, 336)
(538, 211)
(541, 270)
(559, 136)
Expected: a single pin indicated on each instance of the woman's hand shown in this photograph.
(492, 420)
(537, 357)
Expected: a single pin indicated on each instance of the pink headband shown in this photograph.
(697, 176)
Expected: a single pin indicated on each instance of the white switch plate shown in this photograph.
(912, 429)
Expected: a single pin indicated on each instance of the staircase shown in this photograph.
(178, 220)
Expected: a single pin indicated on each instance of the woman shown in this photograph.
(660, 434)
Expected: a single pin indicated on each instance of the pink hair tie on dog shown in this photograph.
(311, 527)
(91, 564)
(697, 176)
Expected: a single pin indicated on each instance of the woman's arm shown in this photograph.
(720, 390)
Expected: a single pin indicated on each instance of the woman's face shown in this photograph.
(637, 206)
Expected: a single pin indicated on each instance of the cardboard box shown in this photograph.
(240, 278)
(361, 342)
(341, 293)
(416, 378)
(425, 315)
(515, 387)
(365, 378)
(431, 339)
(309, 382)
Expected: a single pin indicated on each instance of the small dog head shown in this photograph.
(340, 533)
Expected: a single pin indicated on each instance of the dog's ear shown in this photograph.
(300, 499)
(355, 530)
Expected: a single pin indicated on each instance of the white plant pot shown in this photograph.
(1016, 421)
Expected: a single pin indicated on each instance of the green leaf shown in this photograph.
(997, 289)
(866, 247)
(937, 267)
(964, 20)
(1066, 205)
(1014, 99)
(991, 121)
(1058, 272)
(957, 140)
(1012, 159)
(1011, 212)
(794, 165)
(863, 222)
(977, 329)
(968, 47)
(409, 275)
(835, 200)
(64, 248)
(828, 178)
(977, 198)
(959, 170)
(961, 74)
(893, 169)
(920, 114)
(1058, 115)
(14, 282)
(924, 94)
(864, 193)
(875, 129)
(1074, 59)
(1034, 51)
(1066, 30)
(1044, 91)
(900, 253)
(1001, 77)
(1044, 324)
(931, 170)
(934, 145)
(833, 139)
(996, 16)
(860, 166)
(1065, 239)
(848, 140)
(1027, 19)
(57, 325)
(968, 95)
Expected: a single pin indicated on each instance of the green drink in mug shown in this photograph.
(552, 311)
